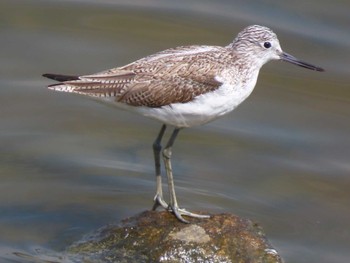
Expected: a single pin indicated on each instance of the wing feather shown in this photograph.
(171, 76)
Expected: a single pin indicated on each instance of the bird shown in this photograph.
(183, 87)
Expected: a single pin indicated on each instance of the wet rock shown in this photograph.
(159, 237)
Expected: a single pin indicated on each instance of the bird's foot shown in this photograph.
(159, 201)
(179, 212)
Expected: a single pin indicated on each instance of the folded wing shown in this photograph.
(172, 76)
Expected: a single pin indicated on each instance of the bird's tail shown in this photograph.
(60, 78)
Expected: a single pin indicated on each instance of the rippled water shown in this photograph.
(69, 165)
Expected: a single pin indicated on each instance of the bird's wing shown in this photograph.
(165, 90)
(171, 76)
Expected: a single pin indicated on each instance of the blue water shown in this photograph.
(69, 165)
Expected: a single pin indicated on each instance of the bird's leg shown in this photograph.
(157, 147)
(167, 152)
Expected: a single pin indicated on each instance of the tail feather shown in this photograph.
(60, 78)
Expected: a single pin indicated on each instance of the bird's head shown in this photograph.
(262, 45)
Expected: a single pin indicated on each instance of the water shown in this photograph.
(69, 165)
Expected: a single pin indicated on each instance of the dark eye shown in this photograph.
(267, 45)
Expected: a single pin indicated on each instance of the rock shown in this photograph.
(159, 237)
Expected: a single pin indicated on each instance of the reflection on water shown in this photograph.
(69, 165)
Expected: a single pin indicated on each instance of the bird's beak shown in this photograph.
(289, 58)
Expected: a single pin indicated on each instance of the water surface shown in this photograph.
(69, 165)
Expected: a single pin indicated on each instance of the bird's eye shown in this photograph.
(267, 45)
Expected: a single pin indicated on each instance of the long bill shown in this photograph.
(289, 58)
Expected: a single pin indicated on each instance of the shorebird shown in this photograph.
(183, 87)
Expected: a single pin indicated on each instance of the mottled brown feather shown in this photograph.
(171, 76)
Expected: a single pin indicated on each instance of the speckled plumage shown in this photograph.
(184, 87)
(175, 75)
(180, 75)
